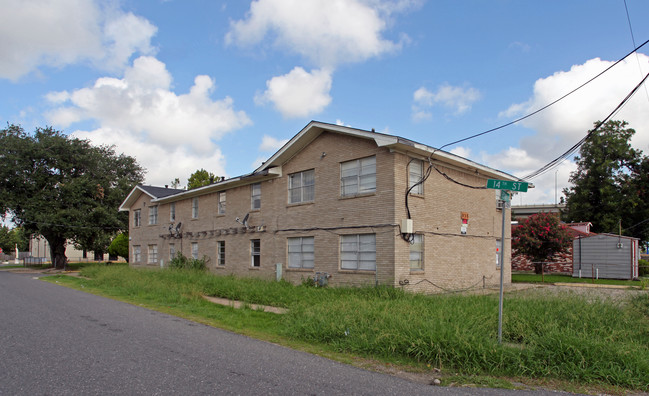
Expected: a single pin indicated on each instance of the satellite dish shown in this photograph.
(178, 227)
(171, 228)
(245, 219)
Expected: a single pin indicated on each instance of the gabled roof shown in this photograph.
(315, 129)
(273, 167)
(152, 191)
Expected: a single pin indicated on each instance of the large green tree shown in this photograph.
(609, 187)
(200, 178)
(540, 237)
(64, 188)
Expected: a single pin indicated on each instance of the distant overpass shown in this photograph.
(525, 211)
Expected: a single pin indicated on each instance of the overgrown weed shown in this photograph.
(562, 337)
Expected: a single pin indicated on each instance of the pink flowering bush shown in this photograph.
(540, 237)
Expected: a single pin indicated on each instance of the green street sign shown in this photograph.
(507, 185)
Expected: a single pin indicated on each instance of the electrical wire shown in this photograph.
(546, 106)
(575, 147)
(628, 18)
(408, 237)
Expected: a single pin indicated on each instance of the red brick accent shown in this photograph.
(560, 263)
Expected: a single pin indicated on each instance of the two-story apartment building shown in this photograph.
(332, 203)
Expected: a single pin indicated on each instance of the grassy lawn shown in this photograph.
(563, 342)
(558, 278)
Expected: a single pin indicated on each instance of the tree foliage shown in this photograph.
(610, 186)
(200, 178)
(119, 246)
(64, 188)
(540, 237)
(9, 238)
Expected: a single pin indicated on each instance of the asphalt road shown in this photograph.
(55, 341)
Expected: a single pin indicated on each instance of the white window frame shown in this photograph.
(172, 251)
(358, 252)
(301, 187)
(195, 208)
(301, 252)
(255, 253)
(417, 252)
(137, 218)
(415, 174)
(220, 253)
(255, 196)
(222, 201)
(137, 253)
(172, 212)
(195, 250)
(153, 215)
(152, 254)
(358, 177)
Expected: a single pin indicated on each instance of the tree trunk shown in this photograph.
(57, 252)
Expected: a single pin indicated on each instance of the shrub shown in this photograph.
(643, 267)
(180, 261)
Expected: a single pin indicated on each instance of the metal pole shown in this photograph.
(504, 194)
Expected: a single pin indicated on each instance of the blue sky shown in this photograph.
(220, 85)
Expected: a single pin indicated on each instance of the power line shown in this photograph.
(574, 148)
(546, 106)
(628, 18)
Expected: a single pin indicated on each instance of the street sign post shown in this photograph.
(507, 185)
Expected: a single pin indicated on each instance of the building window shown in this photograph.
(358, 252)
(415, 174)
(195, 208)
(172, 251)
(220, 253)
(255, 196)
(417, 252)
(221, 208)
(499, 245)
(137, 254)
(153, 254)
(301, 187)
(300, 252)
(153, 215)
(255, 252)
(358, 176)
(137, 218)
(172, 212)
(195, 250)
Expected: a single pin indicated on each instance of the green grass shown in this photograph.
(557, 278)
(564, 338)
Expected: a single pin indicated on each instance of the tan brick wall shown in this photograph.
(452, 261)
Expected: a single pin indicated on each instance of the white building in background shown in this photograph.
(39, 251)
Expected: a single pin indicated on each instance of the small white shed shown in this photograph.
(606, 256)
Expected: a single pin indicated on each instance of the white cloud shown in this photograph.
(464, 152)
(326, 32)
(458, 99)
(56, 33)
(269, 143)
(141, 111)
(163, 164)
(565, 123)
(562, 125)
(298, 93)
